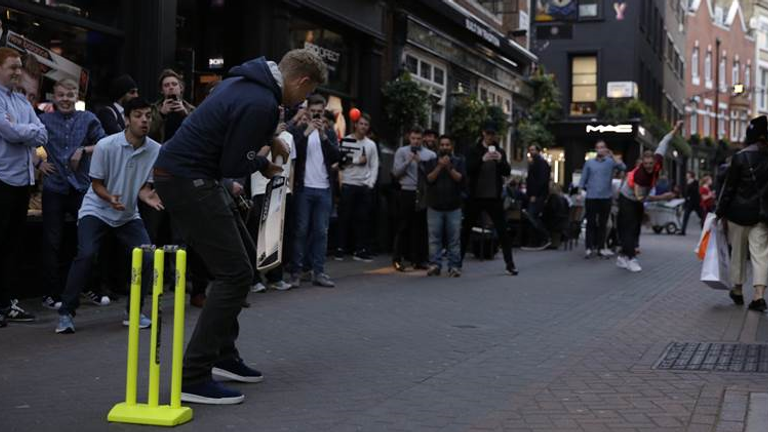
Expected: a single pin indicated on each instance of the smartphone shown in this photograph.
(316, 116)
(491, 149)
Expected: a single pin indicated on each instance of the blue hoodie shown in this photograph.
(221, 137)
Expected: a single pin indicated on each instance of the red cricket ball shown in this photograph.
(354, 114)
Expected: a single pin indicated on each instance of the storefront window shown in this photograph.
(332, 47)
(583, 85)
(58, 50)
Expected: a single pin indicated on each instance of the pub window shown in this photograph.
(583, 85)
(588, 9)
(426, 71)
(412, 64)
(439, 76)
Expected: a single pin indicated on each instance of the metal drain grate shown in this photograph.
(713, 356)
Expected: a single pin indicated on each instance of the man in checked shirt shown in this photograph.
(72, 136)
(20, 133)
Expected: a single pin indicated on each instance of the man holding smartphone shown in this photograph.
(486, 168)
(316, 155)
(171, 109)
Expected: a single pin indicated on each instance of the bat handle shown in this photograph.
(279, 160)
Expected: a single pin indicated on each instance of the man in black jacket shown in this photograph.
(692, 200)
(486, 166)
(742, 204)
(121, 90)
(227, 136)
(537, 190)
(317, 154)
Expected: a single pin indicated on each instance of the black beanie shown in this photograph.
(120, 86)
(757, 129)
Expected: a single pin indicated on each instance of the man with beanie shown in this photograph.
(486, 168)
(742, 204)
(227, 136)
(122, 89)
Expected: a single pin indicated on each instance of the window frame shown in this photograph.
(573, 59)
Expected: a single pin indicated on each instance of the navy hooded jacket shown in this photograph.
(221, 137)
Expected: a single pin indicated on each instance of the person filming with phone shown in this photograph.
(171, 109)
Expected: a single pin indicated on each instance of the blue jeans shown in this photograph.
(90, 233)
(444, 231)
(313, 209)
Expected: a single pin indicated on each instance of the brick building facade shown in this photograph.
(720, 49)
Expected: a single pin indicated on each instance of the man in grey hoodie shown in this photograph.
(227, 136)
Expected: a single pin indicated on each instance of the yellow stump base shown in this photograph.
(162, 415)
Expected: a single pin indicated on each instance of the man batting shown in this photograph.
(228, 136)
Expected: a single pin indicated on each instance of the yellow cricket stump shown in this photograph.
(152, 413)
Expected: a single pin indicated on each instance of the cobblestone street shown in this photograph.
(569, 345)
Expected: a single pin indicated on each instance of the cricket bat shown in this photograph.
(269, 246)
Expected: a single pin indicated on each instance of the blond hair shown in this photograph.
(66, 83)
(303, 62)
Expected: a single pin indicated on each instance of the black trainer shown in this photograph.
(210, 393)
(420, 266)
(362, 256)
(758, 305)
(339, 255)
(236, 370)
(737, 298)
(3, 322)
(511, 269)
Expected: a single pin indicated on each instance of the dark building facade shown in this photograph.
(349, 35)
(603, 49)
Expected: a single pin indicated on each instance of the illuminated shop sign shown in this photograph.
(622, 129)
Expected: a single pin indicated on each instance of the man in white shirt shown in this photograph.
(316, 154)
(359, 171)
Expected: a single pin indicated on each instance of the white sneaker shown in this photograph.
(280, 286)
(634, 266)
(588, 254)
(621, 262)
(607, 253)
(259, 287)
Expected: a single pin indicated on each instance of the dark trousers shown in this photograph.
(597, 212)
(207, 219)
(535, 210)
(411, 240)
(354, 216)
(55, 207)
(253, 222)
(90, 234)
(14, 201)
(161, 232)
(494, 208)
(687, 215)
(629, 223)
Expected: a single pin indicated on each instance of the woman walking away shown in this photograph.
(742, 205)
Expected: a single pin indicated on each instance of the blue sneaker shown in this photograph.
(210, 393)
(144, 322)
(66, 325)
(236, 370)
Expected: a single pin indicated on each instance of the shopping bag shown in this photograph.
(701, 246)
(714, 268)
